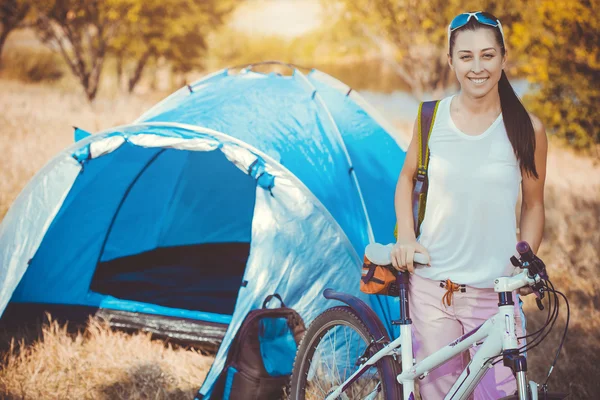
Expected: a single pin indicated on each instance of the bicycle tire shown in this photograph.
(388, 368)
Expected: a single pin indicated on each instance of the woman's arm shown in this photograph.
(404, 189)
(532, 207)
(403, 252)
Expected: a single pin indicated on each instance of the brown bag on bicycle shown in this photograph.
(378, 279)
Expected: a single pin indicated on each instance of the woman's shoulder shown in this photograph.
(538, 126)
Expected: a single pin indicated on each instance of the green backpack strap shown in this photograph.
(427, 111)
(425, 119)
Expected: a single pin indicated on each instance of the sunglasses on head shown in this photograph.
(482, 17)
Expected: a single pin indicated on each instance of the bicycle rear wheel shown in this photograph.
(332, 349)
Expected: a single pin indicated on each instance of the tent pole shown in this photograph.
(125, 195)
(317, 98)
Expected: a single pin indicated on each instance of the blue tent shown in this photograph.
(237, 186)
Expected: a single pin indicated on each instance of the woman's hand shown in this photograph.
(403, 254)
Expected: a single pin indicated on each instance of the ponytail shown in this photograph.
(518, 126)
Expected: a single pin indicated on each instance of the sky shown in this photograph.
(288, 18)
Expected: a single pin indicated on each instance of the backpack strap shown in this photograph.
(426, 118)
(270, 297)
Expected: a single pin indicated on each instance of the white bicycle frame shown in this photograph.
(494, 336)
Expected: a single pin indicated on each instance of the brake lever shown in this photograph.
(538, 265)
(539, 296)
(515, 262)
(535, 267)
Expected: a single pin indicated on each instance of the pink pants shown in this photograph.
(436, 324)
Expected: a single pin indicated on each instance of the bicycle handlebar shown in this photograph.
(420, 259)
(534, 271)
(380, 254)
(508, 284)
(525, 251)
(530, 261)
(534, 268)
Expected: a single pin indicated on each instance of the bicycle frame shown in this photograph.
(495, 337)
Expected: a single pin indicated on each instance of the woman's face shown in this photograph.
(477, 61)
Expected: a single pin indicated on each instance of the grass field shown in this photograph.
(98, 364)
(36, 122)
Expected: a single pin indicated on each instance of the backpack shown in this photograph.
(260, 359)
(425, 119)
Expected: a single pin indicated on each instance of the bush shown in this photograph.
(31, 65)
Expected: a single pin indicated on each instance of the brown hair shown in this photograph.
(516, 119)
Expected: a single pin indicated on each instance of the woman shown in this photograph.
(483, 145)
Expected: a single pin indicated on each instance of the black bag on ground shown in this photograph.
(260, 359)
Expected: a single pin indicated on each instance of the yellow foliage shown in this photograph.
(562, 49)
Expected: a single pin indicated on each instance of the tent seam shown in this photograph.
(352, 172)
(360, 102)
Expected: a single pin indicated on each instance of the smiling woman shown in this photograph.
(483, 147)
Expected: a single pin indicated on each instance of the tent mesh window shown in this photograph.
(181, 237)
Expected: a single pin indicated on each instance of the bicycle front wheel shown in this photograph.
(334, 346)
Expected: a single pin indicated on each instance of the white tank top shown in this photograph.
(470, 222)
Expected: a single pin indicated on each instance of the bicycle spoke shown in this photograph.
(316, 374)
(333, 364)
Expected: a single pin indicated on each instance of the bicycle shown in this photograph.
(374, 366)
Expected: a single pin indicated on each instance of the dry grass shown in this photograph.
(571, 249)
(99, 364)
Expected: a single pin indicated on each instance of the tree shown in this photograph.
(173, 30)
(135, 31)
(411, 36)
(558, 44)
(12, 13)
(81, 31)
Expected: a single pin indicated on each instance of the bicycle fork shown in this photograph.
(512, 358)
(405, 335)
